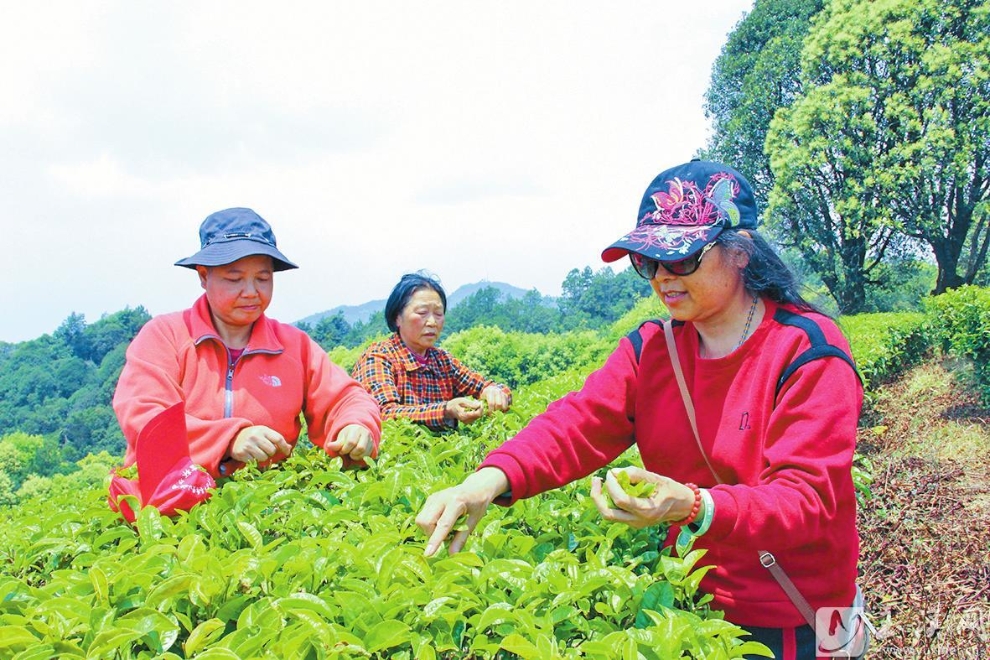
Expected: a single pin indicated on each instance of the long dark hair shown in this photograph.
(405, 289)
(765, 274)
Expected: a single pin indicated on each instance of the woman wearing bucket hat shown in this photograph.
(244, 378)
(745, 418)
(410, 377)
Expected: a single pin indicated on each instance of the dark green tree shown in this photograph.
(888, 142)
(574, 291)
(60, 387)
(362, 331)
(72, 333)
(331, 331)
(757, 72)
(935, 92)
(92, 430)
(533, 313)
(486, 306)
(105, 379)
(595, 299)
(112, 330)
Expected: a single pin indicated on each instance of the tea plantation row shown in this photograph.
(306, 561)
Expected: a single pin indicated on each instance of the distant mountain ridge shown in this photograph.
(363, 312)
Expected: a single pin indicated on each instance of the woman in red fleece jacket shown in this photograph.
(777, 402)
(244, 378)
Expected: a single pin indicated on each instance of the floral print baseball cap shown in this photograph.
(686, 208)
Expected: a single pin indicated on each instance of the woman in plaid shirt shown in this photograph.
(410, 377)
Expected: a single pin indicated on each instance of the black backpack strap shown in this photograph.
(820, 348)
(636, 337)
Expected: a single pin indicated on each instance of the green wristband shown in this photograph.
(699, 527)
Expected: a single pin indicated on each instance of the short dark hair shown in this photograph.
(405, 289)
(765, 274)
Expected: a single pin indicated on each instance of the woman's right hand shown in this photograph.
(258, 443)
(463, 409)
(444, 509)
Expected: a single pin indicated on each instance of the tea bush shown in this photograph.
(306, 561)
(517, 358)
(960, 325)
(886, 344)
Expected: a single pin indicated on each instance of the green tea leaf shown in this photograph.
(251, 533)
(218, 654)
(516, 643)
(15, 636)
(306, 601)
(747, 649)
(170, 589)
(110, 640)
(494, 614)
(386, 635)
(639, 489)
(203, 635)
(461, 525)
(101, 587)
(40, 652)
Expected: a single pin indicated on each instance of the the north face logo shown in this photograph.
(271, 381)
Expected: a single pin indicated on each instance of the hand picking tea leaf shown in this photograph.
(461, 524)
(639, 489)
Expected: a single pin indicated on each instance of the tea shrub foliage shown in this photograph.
(960, 325)
(306, 561)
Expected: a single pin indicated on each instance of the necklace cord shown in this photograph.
(749, 321)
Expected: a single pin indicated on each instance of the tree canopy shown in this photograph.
(59, 387)
(757, 72)
(886, 146)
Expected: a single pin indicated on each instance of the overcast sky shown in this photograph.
(502, 141)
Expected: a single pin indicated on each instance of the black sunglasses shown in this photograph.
(647, 268)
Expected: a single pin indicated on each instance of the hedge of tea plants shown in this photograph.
(884, 345)
(306, 561)
(960, 322)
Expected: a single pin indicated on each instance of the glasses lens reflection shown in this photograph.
(647, 268)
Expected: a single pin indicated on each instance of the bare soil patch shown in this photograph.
(925, 532)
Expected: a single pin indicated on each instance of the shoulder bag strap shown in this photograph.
(675, 360)
(767, 560)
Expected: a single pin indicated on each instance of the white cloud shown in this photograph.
(505, 141)
(102, 177)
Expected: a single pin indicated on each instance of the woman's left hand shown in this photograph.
(495, 397)
(353, 441)
(669, 502)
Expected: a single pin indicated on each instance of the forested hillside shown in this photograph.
(55, 395)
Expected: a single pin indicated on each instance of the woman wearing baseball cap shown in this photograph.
(243, 378)
(745, 418)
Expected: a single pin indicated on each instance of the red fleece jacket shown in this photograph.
(281, 374)
(785, 456)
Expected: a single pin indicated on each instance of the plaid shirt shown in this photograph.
(405, 388)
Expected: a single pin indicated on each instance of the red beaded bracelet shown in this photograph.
(694, 509)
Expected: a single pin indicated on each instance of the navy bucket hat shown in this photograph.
(684, 209)
(231, 234)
